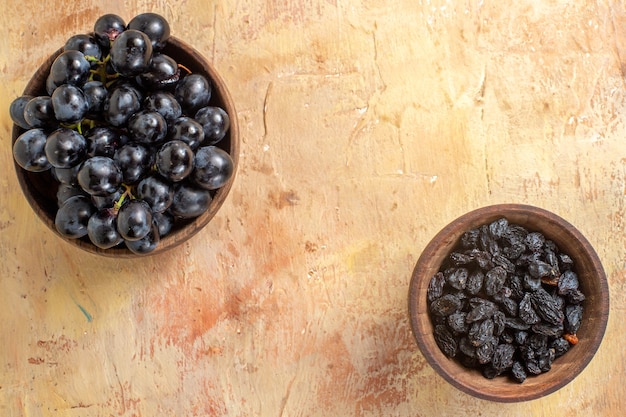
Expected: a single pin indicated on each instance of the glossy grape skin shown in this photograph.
(70, 67)
(213, 168)
(96, 94)
(69, 103)
(174, 160)
(102, 229)
(215, 123)
(165, 104)
(154, 26)
(163, 71)
(66, 175)
(131, 53)
(147, 127)
(164, 221)
(103, 141)
(39, 112)
(29, 151)
(65, 191)
(16, 111)
(108, 27)
(193, 92)
(134, 161)
(99, 175)
(134, 219)
(188, 130)
(123, 101)
(107, 201)
(146, 244)
(156, 192)
(85, 44)
(189, 201)
(65, 148)
(72, 217)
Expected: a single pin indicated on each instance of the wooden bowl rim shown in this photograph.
(471, 381)
(220, 93)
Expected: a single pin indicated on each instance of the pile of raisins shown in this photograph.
(506, 301)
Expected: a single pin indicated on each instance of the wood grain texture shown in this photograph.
(366, 127)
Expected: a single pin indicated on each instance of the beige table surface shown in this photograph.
(366, 127)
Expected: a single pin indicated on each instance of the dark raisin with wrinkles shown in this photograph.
(456, 277)
(484, 352)
(573, 318)
(494, 280)
(490, 372)
(521, 337)
(568, 281)
(467, 348)
(575, 296)
(516, 324)
(459, 259)
(549, 330)
(503, 357)
(504, 262)
(498, 228)
(469, 239)
(531, 283)
(475, 282)
(518, 372)
(481, 311)
(560, 346)
(539, 269)
(436, 286)
(499, 323)
(480, 332)
(526, 311)
(546, 307)
(446, 341)
(445, 305)
(457, 323)
(534, 241)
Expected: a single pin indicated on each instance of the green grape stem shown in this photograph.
(127, 194)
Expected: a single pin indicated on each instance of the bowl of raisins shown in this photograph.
(125, 140)
(509, 302)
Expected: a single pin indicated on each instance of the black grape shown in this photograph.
(99, 175)
(189, 201)
(215, 123)
(16, 111)
(154, 26)
(102, 229)
(134, 219)
(131, 53)
(72, 217)
(65, 148)
(174, 160)
(69, 103)
(29, 150)
(193, 92)
(213, 168)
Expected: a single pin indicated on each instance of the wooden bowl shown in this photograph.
(565, 368)
(40, 188)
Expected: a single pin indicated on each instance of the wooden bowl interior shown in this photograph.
(592, 282)
(40, 188)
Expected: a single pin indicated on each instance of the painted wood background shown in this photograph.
(366, 127)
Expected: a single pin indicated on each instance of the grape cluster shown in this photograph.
(128, 133)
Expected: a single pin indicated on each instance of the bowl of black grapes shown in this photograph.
(509, 302)
(125, 140)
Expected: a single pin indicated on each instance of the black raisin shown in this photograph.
(521, 337)
(456, 277)
(475, 282)
(484, 352)
(550, 330)
(526, 311)
(560, 346)
(494, 280)
(503, 357)
(469, 239)
(539, 269)
(534, 241)
(499, 323)
(480, 332)
(533, 367)
(490, 372)
(546, 307)
(573, 318)
(445, 305)
(568, 281)
(516, 324)
(498, 228)
(436, 287)
(504, 262)
(575, 296)
(457, 323)
(518, 373)
(446, 341)
(459, 258)
(481, 311)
